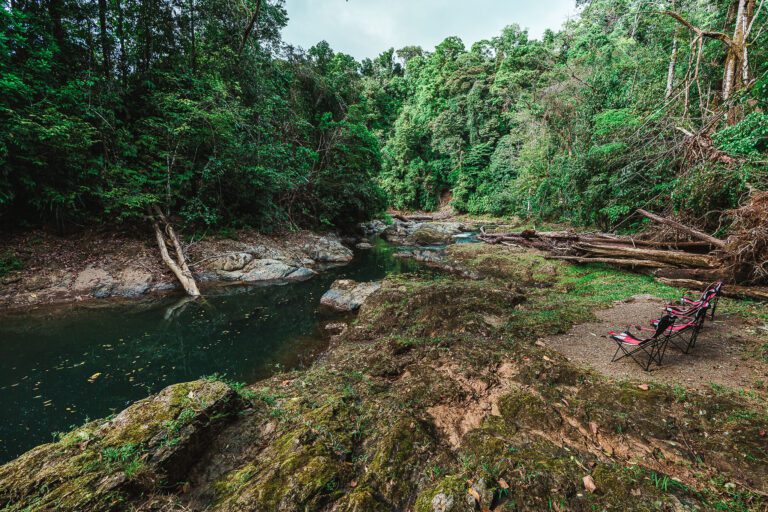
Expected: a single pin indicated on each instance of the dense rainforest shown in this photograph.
(111, 107)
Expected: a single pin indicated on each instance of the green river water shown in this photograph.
(60, 366)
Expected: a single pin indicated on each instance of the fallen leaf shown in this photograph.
(540, 343)
(474, 494)
(762, 433)
(593, 427)
(546, 358)
(503, 483)
(353, 483)
(644, 387)
(589, 483)
(94, 376)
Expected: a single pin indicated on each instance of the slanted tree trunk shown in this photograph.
(716, 242)
(249, 28)
(178, 265)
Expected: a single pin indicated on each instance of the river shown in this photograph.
(61, 366)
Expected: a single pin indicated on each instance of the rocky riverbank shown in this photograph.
(95, 266)
(440, 397)
(92, 266)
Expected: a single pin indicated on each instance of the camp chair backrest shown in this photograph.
(701, 313)
(712, 290)
(665, 323)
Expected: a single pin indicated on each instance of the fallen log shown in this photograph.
(704, 246)
(729, 290)
(613, 261)
(683, 228)
(683, 259)
(698, 274)
(412, 218)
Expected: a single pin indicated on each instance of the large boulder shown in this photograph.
(327, 249)
(230, 262)
(373, 227)
(94, 281)
(133, 282)
(109, 462)
(434, 233)
(268, 270)
(348, 295)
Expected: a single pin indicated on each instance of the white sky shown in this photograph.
(365, 28)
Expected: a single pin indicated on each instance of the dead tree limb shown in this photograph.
(682, 228)
(179, 265)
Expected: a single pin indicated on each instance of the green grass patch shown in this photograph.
(9, 262)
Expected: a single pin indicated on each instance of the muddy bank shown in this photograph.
(437, 398)
(95, 265)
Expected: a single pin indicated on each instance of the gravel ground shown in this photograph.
(722, 354)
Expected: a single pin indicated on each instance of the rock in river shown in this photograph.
(432, 233)
(268, 270)
(328, 250)
(348, 295)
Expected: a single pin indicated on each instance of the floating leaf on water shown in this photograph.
(94, 376)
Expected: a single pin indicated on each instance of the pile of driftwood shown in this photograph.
(741, 261)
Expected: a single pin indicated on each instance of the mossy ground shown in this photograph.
(358, 430)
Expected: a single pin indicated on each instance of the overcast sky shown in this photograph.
(364, 28)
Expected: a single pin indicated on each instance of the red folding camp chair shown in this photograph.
(688, 306)
(653, 347)
(685, 331)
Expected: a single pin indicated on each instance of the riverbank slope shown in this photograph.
(441, 396)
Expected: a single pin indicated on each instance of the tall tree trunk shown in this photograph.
(104, 39)
(121, 36)
(671, 69)
(56, 11)
(672, 62)
(192, 34)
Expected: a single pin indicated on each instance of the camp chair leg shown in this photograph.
(644, 364)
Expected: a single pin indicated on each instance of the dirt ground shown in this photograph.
(723, 354)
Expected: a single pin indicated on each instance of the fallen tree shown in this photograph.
(694, 261)
(165, 236)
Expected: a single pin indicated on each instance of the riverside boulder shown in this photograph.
(106, 462)
(348, 295)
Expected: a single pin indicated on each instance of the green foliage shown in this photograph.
(577, 127)
(157, 107)
(749, 137)
(9, 263)
(166, 104)
(125, 458)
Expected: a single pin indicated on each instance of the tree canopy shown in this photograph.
(109, 107)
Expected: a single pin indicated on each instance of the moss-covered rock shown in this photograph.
(105, 463)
